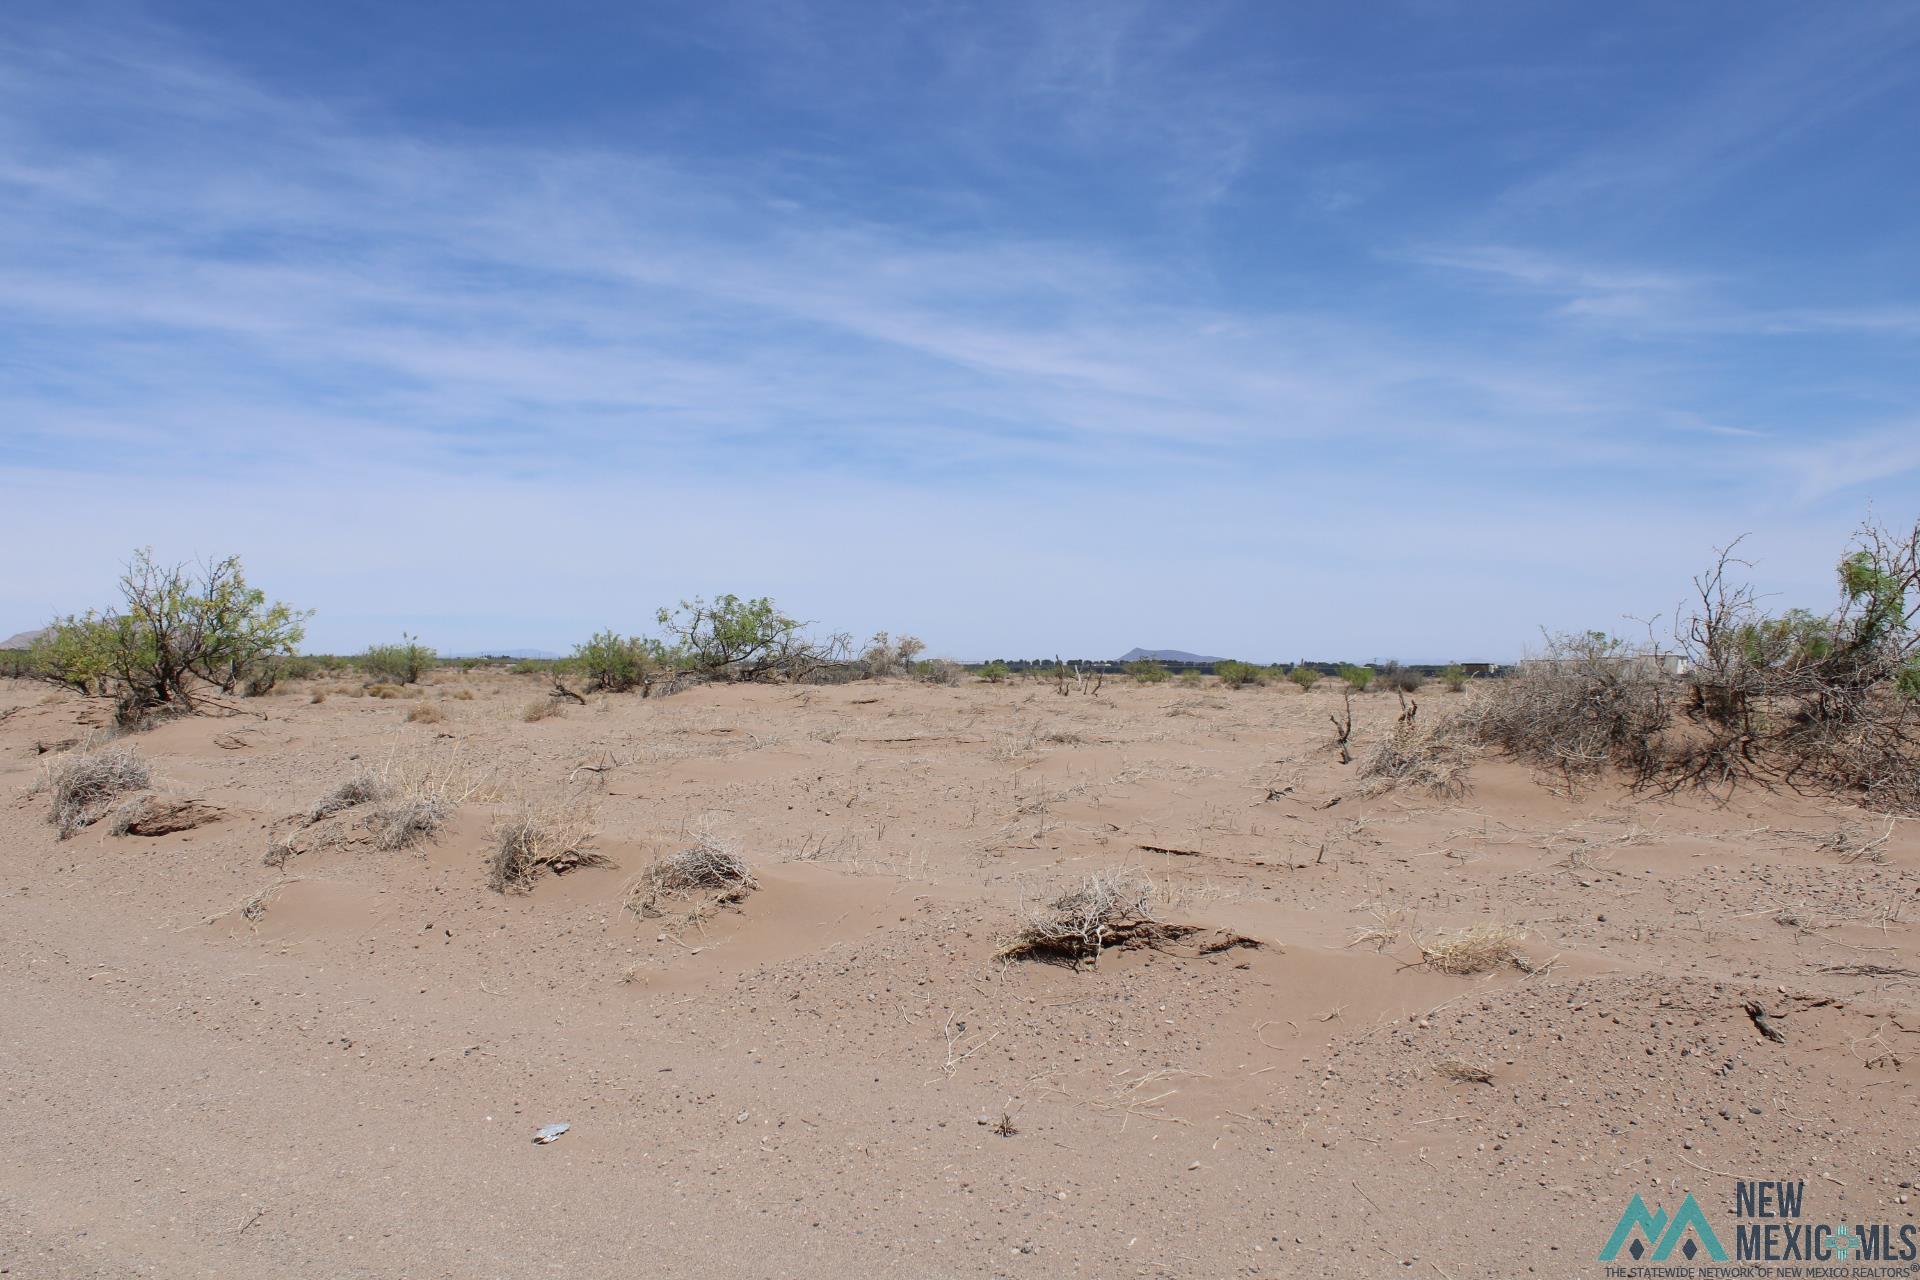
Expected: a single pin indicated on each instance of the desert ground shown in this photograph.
(335, 1066)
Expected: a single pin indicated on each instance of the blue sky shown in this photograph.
(1272, 330)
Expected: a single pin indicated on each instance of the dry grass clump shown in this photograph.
(85, 787)
(426, 713)
(1479, 949)
(409, 817)
(461, 695)
(1105, 908)
(542, 709)
(1431, 757)
(319, 696)
(362, 788)
(535, 835)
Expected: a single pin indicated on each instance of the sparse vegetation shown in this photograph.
(1147, 671)
(1399, 678)
(426, 713)
(1454, 677)
(542, 709)
(995, 672)
(939, 671)
(1303, 675)
(1357, 678)
(85, 787)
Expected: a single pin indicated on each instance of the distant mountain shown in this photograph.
(1165, 655)
(22, 641)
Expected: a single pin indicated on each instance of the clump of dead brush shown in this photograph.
(417, 796)
(85, 787)
(1104, 909)
(362, 788)
(542, 709)
(534, 835)
(1419, 754)
(708, 871)
(1481, 948)
(426, 713)
(1589, 702)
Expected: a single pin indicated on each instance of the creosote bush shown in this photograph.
(995, 672)
(1357, 678)
(1303, 675)
(1147, 671)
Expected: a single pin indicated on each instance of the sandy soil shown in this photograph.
(213, 1067)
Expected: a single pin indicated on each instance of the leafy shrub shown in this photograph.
(1192, 679)
(1147, 671)
(181, 629)
(995, 672)
(1238, 675)
(1303, 675)
(735, 639)
(613, 663)
(1358, 678)
(1454, 677)
(404, 662)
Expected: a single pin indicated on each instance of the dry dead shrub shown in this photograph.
(386, 691)
(554, 835)
(1590, 702)
(1102, 910)
(1431, 757)
(85, 787)
(1481, 948)
(362, 788)
(708, 870)
(319, 696)
(542, 710)
(941, 671)
(426, 713)
(417, 794)
(462, 695)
